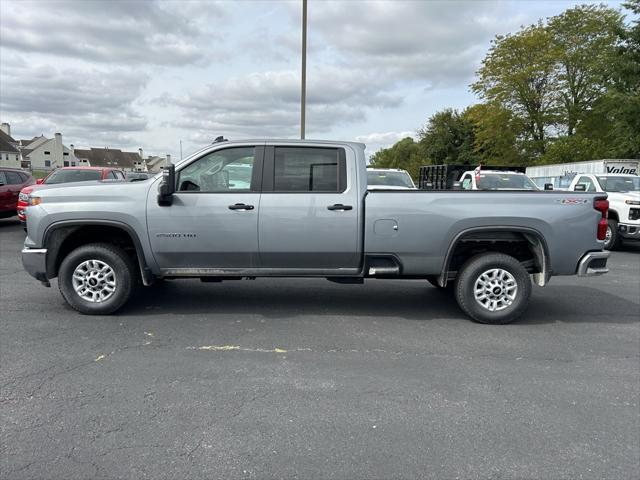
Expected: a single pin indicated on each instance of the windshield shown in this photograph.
(507, 181)
(389, 179)
(620, 184)
(70, 176)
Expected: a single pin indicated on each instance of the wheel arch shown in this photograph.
(61, 237)
(482, 236)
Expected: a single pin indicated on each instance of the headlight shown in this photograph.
(23, 197)
(632, 202)
(33, 201)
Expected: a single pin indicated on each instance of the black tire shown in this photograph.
(471, 272)
(614, 239)
(122, 268)
(433, 280)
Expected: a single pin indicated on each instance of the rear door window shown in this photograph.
(309, 169)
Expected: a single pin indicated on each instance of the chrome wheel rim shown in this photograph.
(495, 289)
(608, 235)
(94, 281)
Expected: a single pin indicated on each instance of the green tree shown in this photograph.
(497, 132)
(519, 74)
(405, 154)
(615, 117)
(584, 40)
(573, 148)
(448, 137)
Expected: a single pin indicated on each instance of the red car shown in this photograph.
(12, 180)
(68, 175)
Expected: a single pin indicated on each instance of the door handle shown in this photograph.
(240, 206)
(339, 206)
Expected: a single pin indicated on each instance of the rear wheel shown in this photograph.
(97, 279)
(612, 238)
(493, 288)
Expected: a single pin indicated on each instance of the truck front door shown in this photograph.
(212, 225)
(310, 211)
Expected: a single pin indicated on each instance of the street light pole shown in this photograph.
(303, 92)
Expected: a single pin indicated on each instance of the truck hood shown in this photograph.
(79, 185)
(89, 190)
(622, 196)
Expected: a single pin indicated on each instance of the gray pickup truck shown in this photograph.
(287, 208)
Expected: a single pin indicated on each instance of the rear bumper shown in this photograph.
(629, 231)
(593, 263)
(34, 261)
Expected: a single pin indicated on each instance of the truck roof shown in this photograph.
(286, 140)
(374, 169)
(511, 172)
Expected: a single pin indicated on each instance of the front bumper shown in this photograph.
(593, 263)
(629, 231)
(34, 261)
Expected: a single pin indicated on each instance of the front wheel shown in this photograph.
(493, 288)
(97, 279)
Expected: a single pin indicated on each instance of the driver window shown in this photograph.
(228, 170)
(466, 182)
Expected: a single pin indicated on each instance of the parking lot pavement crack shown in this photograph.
(191, 451)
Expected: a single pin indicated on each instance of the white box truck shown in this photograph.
(561, 174)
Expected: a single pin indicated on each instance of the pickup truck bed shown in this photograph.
(301, 208)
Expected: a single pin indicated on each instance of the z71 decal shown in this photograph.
(572, 201)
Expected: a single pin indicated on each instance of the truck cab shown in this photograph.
(623, 192)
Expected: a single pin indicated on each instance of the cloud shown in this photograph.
(379, 140)
(384, 138)
(433, 42)
(268, 103)
(96, 70)
(87, 102)
(120, 32)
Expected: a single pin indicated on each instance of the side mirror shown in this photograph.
(167, 186)
(580, 187)
(548, 186)
(39, 181)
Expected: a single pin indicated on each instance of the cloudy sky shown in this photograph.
(148, 74)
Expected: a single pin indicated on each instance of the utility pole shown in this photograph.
(303, 92)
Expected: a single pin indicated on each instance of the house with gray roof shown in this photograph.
(9, 153)
(111, 157)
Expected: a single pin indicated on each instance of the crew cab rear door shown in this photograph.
(212, 225)
(310, 210)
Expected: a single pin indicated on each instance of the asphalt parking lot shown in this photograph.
(308, 379)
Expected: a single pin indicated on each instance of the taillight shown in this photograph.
(602, 205)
